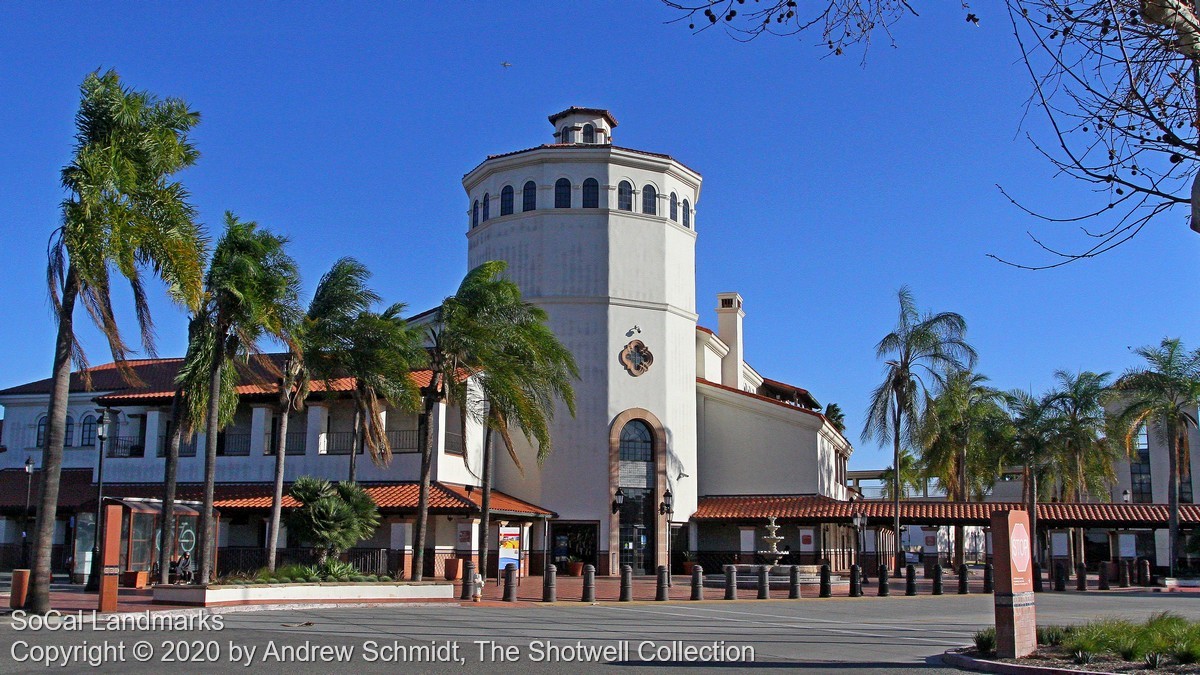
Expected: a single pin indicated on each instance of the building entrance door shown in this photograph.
(637, 520)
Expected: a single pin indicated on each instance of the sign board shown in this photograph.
(747, 540)
(1016, 619)
(510, 548)
(1060, 544)
(466, 538)
(931, 541)
(807, 540)
(110, 570)
(1127, 545)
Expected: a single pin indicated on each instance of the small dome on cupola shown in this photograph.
(586, 126)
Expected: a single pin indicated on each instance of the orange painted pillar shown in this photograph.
(110, 558)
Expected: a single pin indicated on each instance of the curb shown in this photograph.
(952, 657)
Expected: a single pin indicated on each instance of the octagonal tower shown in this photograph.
(603, 238)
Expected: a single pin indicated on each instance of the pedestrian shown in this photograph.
(185, 568)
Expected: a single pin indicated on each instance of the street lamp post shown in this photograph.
(667, 508)
(860, 521)
(25, 525)
(93, 583)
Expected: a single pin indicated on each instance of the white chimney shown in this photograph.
(729, 329)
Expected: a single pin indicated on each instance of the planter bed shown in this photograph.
(243, 594)
(1054, 661)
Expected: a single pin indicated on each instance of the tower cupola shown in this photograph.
(583, 126)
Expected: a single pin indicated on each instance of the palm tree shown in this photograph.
(835, 416)
(250, 292)
(1083, 456)
(912, 476)
(962, 434)
(340, 295)
(1033, 423)
(529, 372)
(1166, 393)
(462, 342)
(920, 346)
(124, 213)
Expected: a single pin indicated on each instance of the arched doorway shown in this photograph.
(637, 531)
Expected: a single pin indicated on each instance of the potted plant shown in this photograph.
(689, 561)
(574, 566)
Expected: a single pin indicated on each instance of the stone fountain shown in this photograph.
(772, 554)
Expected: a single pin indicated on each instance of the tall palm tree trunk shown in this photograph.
(285, 407)
(896, 486)
(1172, 494)
(356, 441)
(166, 536)
(960, 531)
(52, 451)
(207, 534)
(418, 564)
(1032, 501)
(485, 505)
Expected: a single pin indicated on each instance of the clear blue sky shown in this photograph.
(828, 183)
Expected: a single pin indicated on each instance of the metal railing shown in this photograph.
(126, 446)
(339, 443)
(233, 445)
(187, 446)
(296, 443)
(404, 441)
(249, 559)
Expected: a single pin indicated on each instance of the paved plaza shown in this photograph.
(867, 635)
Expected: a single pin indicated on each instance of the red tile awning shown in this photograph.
(75, 487)
(819, 509)
(393, 498)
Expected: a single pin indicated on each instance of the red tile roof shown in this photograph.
(391, 497)
(815, 508)
(767, 399)
(612, 121)
(157, 376)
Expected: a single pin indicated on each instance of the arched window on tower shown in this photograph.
(562, 193)
(506, 200)
(637, 442)
(687, 214)
(487, 206)
(591, 194)
(529, 196)
(589, 133)
(475, 214)
(565, 137)
(649, 200)
(674, 207)
(625, 196)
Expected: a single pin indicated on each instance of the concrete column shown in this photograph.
(260, 429)
(439, 421)
(318, 416)
(155, 428)
(729, 329)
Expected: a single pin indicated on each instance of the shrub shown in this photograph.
(314, 579)
(1186, 652)
(985, 640)
(1052, 636)
(1131, 648)
(336, 569)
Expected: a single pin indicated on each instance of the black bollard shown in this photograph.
(885, 588)
(1060, 577)
(794, 583)
(1037, 578)
(1123, 573)
(626, 583)
(764, 583)
(937, 579)
(468, 586)
(589, 583)
(662, 594)
(697, 583)
(1144, 577)
(1102, 583)
(910, 581)
(550, 584)
(855, 581)
(1081, 577)
(826, 582)
(510, 583)
(989, 578)
(964, 576)
(730, 582)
